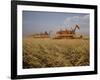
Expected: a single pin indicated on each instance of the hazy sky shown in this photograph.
(37, 22)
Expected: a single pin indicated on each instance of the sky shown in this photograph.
(38, 21)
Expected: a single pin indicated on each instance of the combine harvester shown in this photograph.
(42, 35)
(67, 34)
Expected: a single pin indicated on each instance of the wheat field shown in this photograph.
(42, 53)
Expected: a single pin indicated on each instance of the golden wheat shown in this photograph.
(40, 53)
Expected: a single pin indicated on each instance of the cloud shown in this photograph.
(77, 20)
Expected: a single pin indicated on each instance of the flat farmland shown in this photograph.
(47, 52)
